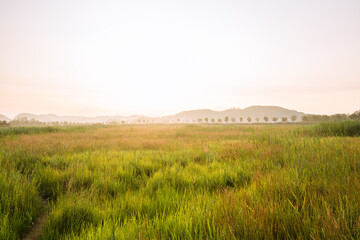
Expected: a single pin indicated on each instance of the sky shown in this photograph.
(158, 58)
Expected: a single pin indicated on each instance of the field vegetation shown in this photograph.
(204, 181)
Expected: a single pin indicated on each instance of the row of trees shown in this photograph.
(35, 123)
(310, 118)
(335, 117)
(306, 119)
(241, 119)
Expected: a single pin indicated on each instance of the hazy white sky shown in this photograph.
(161, 57)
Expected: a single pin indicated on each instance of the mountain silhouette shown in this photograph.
(4, 118)
(252, 112)
(186, 116)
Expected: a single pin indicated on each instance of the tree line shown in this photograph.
(335, 117)
(309, 118)
(243, 120)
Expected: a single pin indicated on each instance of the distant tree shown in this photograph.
(257, 119)
(324, 118)
(4, 123)
(249, 119)
(275, 119)
(212, 120)
(355, 115)
(199, 120)
(284, 119)
(219, 120)
(293, 118)
(226, 119)
(178, 119)
(233, 119)
(305, 118)
(316, 118)
(266, 119)
(206, 119)
(122, 122)
(338, 117)
(25, 122)
(241, 119)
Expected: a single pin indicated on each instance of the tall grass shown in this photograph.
(182, 182)
(4, 131)
(27, 130)
(20, 204)
(338, 128)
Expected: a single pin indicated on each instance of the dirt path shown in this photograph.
(36, 230)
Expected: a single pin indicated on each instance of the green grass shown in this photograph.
(182, 182)
(27, 130)
(338, 128)
(5, 131)
(19, 204)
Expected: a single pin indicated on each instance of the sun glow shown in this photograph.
(98, 58)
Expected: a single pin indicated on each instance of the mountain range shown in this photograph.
(186, 116)
(253, 112)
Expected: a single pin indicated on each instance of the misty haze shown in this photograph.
(179, 119)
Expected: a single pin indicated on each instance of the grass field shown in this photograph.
(181, 182)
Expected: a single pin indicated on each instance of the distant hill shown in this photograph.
(194, 114)
(4, 118)
(252, 112)
(187, 116)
